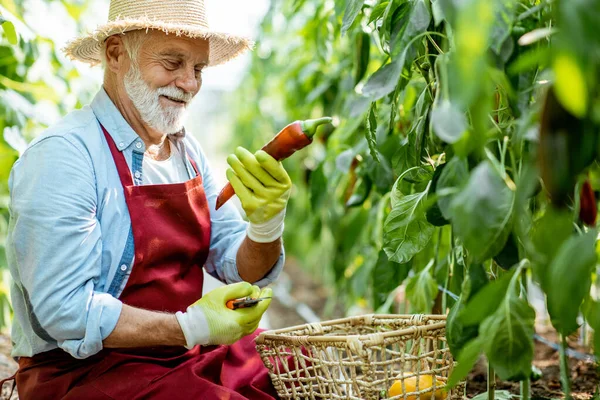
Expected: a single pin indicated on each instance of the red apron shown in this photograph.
(171, 228)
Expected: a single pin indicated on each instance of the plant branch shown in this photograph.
(564, 368)
(435, 44)
(491, 382)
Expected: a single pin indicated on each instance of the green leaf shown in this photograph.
(505, 13)
(380, 172)
(570, 83)
(74, 10)
(406, 231)
(509, 255)
(352, 9)
(486, 301)
(477, 280)
(530, 60)
(371, 130)
(448, 122)
(417, 23)
(361, 192)
(443, 10)
(10, 32)
(482, 213)
(383, 81)
(468, 64)
(387, 276)
(568, 280)
(508, 337)
(549, 233)
(498, 395)
(454, 177)
(421, 290)
(378, 11)
(458, 334)
(591, 311)
(466, 361)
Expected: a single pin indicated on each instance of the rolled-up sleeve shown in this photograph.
(56, 246)
(228, 231)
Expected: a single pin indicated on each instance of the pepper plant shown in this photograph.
(464, 157)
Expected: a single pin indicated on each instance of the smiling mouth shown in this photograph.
(174, 100)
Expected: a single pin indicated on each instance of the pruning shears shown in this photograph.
(244, 303)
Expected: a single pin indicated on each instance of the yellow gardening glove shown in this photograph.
(263, 187)
(209, 322)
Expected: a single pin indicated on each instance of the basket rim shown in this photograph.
(282, 334)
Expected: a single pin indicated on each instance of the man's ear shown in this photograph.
(115, 53)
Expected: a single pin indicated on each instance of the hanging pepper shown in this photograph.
(567, 146)
(361, 58)
(292, 138)
(588, 210)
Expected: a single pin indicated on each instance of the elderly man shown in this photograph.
(113, 218)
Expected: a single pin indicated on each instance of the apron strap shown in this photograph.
(10, 378)
(124, 172)
(122, 168)
(194, 165)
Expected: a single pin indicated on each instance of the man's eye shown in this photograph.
(171, 65)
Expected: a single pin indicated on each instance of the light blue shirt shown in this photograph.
(70, 245)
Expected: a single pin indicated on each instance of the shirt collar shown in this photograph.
(111, 118)
(118, 128)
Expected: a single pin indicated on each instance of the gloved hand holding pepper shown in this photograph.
(263, 187)
(209, 322)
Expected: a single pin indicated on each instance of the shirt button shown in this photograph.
(138, 145)
(121, 144)
(123, 267)
(137, 174)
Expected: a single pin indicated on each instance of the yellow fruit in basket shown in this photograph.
(425, 382)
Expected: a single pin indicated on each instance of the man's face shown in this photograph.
(165, 78)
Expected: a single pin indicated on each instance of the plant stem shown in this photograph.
(491, 382)
(525, 386)
(425, 75)
(564, 368)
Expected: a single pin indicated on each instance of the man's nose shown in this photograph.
(188, 81)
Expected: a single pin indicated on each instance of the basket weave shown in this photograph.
(360, 358)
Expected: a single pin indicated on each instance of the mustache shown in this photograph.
(175, 93)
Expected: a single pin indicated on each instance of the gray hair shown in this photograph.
(132, 41)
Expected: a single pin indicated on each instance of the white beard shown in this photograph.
(166, 120)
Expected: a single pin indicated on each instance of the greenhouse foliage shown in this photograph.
(464, 158)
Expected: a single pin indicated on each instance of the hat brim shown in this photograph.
(223, 46)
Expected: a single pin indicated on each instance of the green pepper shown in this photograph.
(363, 50)
(434, 214)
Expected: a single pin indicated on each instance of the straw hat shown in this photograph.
(179, 17)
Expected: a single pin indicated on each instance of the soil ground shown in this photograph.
(584, 375)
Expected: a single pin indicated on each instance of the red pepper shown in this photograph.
(292, 138)
(588, 210)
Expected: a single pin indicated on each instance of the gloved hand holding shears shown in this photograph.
(263, 187)
(210, 321)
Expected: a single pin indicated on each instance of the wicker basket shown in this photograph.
(360, 358)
